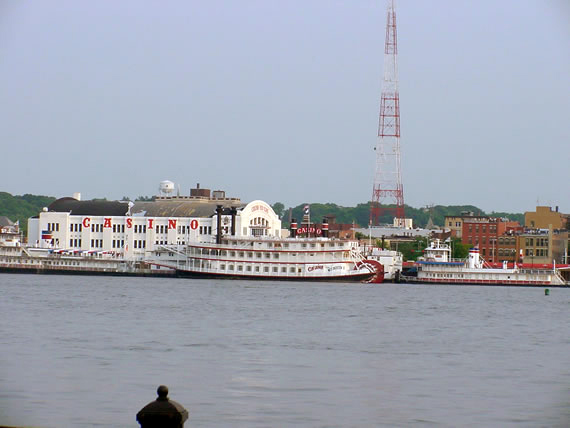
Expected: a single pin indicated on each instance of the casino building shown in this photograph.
(130, 230)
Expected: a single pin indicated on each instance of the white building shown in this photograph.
(131, 230)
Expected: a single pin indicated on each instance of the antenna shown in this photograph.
(387, 188)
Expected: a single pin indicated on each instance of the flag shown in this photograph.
(306, 210)
(46, 234)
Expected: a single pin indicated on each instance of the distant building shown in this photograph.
(455, 223)
(544, 217)
(483, 232)
(131, 229)
(542, 246)
(508, 245)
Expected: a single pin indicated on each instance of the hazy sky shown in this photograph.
(279, 100)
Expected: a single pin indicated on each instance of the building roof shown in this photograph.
(178, 208)
(160, 208)
(5, 221)
(97, 208)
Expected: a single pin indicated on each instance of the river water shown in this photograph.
(90, 352)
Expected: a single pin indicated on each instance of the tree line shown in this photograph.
(360, 214)
(25, 206)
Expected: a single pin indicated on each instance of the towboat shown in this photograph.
(437, 266)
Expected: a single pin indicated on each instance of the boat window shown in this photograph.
(231, 267)
(275, 255)
(258, 255)
(292, 270)
(240, 254)
(222, 267)
(257, 268)
(284, 269)
(240, 268)
(275, 269)
(248, 268)
(267, 255)
(266, 269)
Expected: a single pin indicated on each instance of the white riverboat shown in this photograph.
(286, 259)
(18, 258)
(437, 266)
(390, 259)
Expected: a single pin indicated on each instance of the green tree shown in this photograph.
(460, 250)
(279, 209)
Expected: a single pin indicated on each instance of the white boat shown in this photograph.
(390, 259)
(17, 258)
(437, 266)
(286, 259)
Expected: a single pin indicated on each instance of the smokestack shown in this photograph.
(233, 212)
(293, 228)
(219, 224)
(325, 228)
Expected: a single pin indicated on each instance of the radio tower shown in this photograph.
(388, 191)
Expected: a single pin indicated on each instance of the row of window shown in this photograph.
(205, 230)
(75, 243)
(257, 269)
(507, 241)
(119, 228)
(483, 241)
(538, 242)
(118, 243)
(75, 227)
(538, 252)
(53, 227)
(492, 228)
(139, 243)
(96, 243)
(507, 251)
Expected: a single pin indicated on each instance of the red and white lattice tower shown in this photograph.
(388, 191)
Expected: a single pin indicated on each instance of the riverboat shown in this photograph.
(437, 266)
(267, 258)
(17, 258)
(390, 259)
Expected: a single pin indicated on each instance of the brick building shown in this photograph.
(483, 232)
(455, 223)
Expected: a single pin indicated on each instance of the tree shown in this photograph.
(279, 209)
(460, 250)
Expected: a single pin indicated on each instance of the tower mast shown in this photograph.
(387, 190)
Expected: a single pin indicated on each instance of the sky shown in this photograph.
(279, 100)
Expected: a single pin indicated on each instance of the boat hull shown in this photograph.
(489, 282)
(357, 277)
